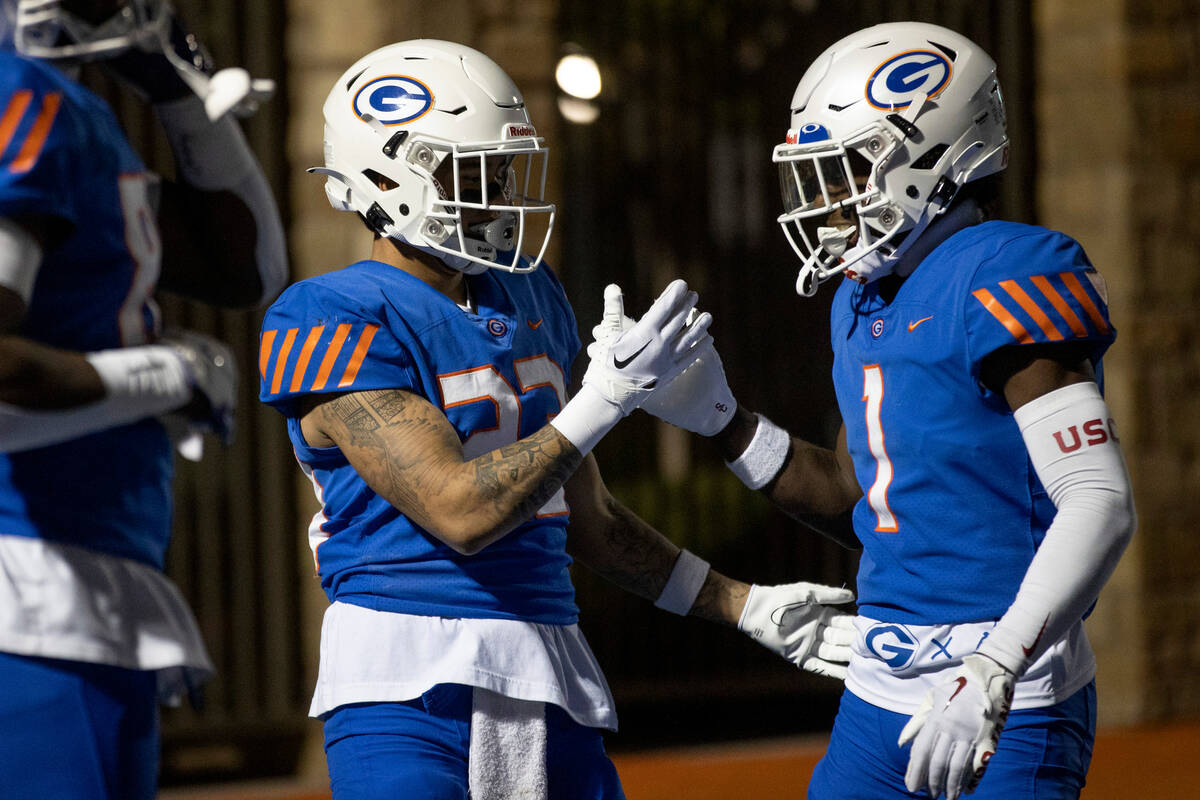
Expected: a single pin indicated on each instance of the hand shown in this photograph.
(699, 400)
(627, 365)
(795, 621)
(955, 730)
(212, 373)
(168, 64)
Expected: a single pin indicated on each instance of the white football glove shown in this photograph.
(956, 728)
(628, 365)
(794, 620)
(213, 376)
(699, 399)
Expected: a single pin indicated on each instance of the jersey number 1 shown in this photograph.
(885, 520)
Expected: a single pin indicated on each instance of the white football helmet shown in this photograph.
(51, 30)
(887, 125)
(429, 141)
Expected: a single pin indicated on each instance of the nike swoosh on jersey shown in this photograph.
(912, 325)
(622, 363)
(533, 324)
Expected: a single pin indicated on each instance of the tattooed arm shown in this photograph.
(611, 540)
(408, 453)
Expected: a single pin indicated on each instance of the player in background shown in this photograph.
(989, 492)
(92, 634)
(425, 395)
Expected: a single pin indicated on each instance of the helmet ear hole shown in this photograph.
(931, 157)
(379, 179)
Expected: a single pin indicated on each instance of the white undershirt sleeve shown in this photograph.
(1074, 449)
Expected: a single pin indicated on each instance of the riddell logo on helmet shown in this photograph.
(521, 130)
(896, 82)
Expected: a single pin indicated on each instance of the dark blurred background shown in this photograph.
(673, 177)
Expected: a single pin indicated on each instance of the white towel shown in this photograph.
(508, 748)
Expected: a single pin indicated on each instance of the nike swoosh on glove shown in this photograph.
(628, 364)
(956, 728)
(796, 621)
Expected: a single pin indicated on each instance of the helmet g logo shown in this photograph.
(393, 99)
(893, 84)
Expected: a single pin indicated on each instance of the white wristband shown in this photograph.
(586, 418)
(147, 380)
(687, 578)
(764, 456)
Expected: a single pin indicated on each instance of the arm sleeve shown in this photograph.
(215, 156)
(1073, 446)
(316, 340)
(1037, 288)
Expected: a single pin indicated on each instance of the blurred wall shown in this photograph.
(1118, 117)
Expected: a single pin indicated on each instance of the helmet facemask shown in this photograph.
(486, 198)
(834, 214)
(886, 126)
(48, 29)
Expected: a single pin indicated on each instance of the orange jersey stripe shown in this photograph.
(1076, 288)
(281, 360)
(36, 139)
(12, 116)
(305, 354)
(331, 354)
(1001, 313)
(264, 352)
(1032, 309)
(360, 353)
(1060, 305)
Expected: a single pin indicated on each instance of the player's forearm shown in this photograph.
(38, 377)
(809, 479)
(505, 488)
(620, 546)
(407, 452)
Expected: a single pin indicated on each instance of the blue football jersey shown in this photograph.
(499, 374)
(953, 511)
(62, 154)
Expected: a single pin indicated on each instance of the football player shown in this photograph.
(425, 395)
(989, 492)
(92, 634)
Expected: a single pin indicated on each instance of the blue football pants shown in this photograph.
(419, 748)
(1044, 753)
(77, 731)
